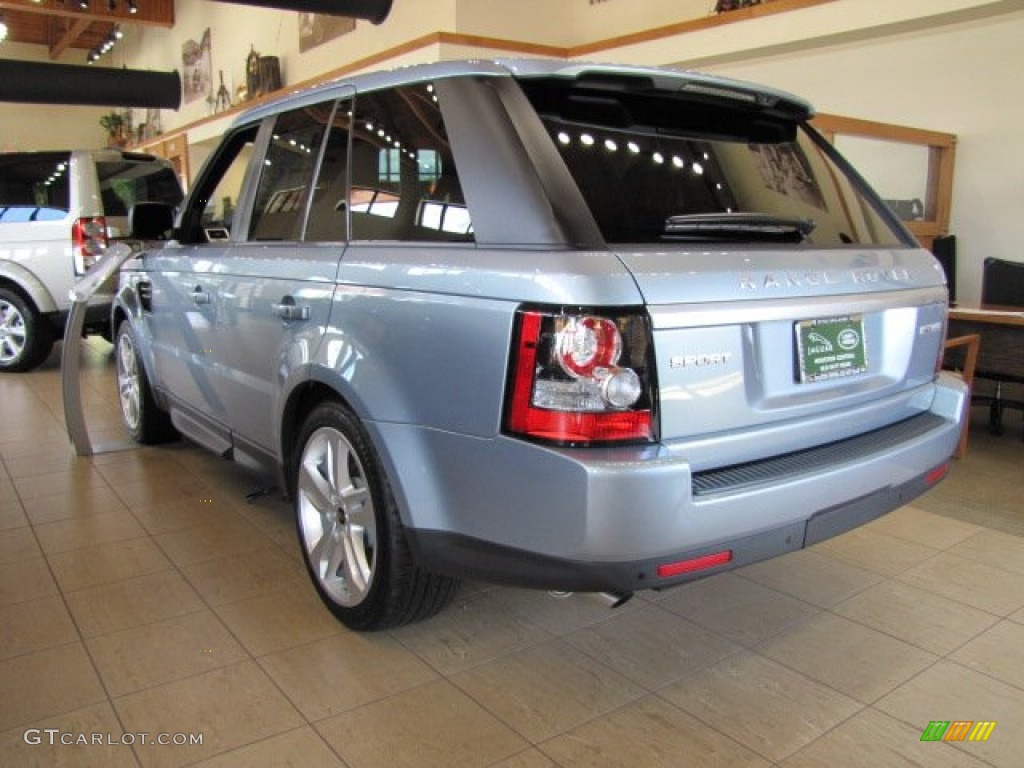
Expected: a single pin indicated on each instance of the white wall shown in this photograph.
(40, 126)
(955, 79)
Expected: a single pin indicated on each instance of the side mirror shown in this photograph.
(151, 221)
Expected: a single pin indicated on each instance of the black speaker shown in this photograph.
(944, 249)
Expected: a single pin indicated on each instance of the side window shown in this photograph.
(287, 173)
(405, 185)
(34, 187)
(212, 209)
(328, 220)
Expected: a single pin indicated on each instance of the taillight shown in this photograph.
(88, 239)
(579, 378)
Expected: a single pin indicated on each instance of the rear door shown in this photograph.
(274, 286)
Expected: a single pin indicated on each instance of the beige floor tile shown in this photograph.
(251, 574)
(761, 704)
(50, 459)
(132, 603)
(145, 656)
(230, 707)
(34, 625)
(878, 552)
(279, 620)
(475, 629)
(873, 740)
(18, 544)
(36, 686)
(11, 514)
(918, 617)
(925, 528)
(855, 660)
(967, 581)
(530, 758)
(95, 565)
(95, 500)
(301, 748)
(168, 490)
(78, 480)
(1000, 550)
(649, 733)
(998, 653)
(79, 532)
(546, 689)
(72, 742)
(433, 726)
(231, 537)
(948, 691)
(651, 646)
(811, 576)
(344, 671)
(25, 581)
(181, 513)
(740, 609)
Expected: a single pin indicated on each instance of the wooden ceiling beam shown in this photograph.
(150, 12)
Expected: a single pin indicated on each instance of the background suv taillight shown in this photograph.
(580, 377)
(88, 240)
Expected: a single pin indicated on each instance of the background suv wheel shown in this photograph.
(26, 338)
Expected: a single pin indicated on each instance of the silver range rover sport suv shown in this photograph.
(560, 326)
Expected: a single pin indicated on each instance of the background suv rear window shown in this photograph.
(122, 184)
(34, 187)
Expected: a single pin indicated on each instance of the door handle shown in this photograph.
(289, 310)
(199, 296)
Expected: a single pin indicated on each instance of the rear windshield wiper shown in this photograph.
(737, 227)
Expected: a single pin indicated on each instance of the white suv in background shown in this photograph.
(58, 212)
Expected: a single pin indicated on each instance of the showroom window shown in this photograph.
(218, 191)
(405, 185)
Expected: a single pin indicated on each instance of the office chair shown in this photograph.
(1001, 359)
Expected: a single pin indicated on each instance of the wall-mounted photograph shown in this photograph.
(197, 71)
(317, 28)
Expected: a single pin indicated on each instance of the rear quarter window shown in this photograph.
(34, 187)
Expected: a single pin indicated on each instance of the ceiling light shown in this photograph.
(3, 28)
(132, 8)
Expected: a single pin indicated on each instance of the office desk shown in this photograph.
(1002, 337)
(1000, 354)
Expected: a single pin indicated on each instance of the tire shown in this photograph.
(350, 532)
(26, 338)
(145, 421)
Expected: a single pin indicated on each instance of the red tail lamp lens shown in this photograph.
(579, 379)
(668, 570)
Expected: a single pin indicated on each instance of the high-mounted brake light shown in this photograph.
(88, 239)
(580, 379)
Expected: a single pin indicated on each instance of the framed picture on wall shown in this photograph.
(196, 65)
(317, 28)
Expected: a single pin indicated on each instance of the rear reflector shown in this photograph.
(936, 474)
(694, 564)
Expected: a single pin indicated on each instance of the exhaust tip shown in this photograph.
(609, 599)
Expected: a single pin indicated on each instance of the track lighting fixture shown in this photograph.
(132, 8)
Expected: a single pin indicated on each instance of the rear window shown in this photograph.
(657, 166)
(125, 182)
(33, 187)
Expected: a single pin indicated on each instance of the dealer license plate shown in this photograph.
(830, 348)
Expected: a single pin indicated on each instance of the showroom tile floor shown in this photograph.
(141, 593)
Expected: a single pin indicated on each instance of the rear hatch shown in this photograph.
(789, 306)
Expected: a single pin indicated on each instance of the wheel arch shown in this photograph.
(28, 286)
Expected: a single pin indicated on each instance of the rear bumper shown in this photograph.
(508, 511)
(485, 561)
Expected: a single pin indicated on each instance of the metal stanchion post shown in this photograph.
(83, 290)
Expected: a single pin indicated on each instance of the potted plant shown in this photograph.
(113, 124)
